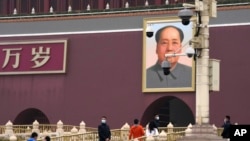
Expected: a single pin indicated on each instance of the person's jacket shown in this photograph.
(226, 130)
(136, 131)
(104, 132)
(31, 139)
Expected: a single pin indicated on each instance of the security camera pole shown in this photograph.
(207, 9)
(202, 130)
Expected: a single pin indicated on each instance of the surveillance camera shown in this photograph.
(190, 52)
(149, 31)
(165, 65)
(185, 16)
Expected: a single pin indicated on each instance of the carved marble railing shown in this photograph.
(61, 132)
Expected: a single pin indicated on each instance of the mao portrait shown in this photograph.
(166, 47)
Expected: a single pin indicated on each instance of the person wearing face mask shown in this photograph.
(104, 130)
(136, 130)
(169, 41)
(156, 121)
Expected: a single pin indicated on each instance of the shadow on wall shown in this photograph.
(170, 109)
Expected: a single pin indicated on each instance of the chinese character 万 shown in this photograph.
(9, 53)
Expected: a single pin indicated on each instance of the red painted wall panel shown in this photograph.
(104, 77)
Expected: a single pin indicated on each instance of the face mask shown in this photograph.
(103, 121)
(157, 118)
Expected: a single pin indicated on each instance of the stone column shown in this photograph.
(36, 127)
(59, 129)
(202, 130)
(82, 128)
(13, 138)
(150, 138)
(170, 128)
(9, 129)
(163, 136)
(125, 132)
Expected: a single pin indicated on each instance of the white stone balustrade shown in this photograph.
(13, 138)
(125, 132)
(36, 127)
(188, 131)
(82, 128)
(80, 132)
(74, 130)
(150, 138)
(170, 127)
(163, 136)
(9, 129)
(59, 129)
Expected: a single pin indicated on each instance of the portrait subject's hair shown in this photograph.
(158, 33)
(227, 117)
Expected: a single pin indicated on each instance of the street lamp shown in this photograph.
(204, 9)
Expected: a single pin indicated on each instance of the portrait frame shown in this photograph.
(150, 56)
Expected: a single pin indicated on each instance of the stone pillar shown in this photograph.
(170, 128)
(13, 138)
(202, 130)
(74, 130)
(59, 129)
(36, 127)
(82, 128)
(188, 131)
(150, 138)
(9, 129)
(125, 132)
(163, 136)
(28, 130)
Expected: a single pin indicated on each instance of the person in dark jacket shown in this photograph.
(33, 137)
(226, 126)
(157, 121)
(104, 130)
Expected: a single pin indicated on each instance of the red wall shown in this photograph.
(231, 46)
(104, 77)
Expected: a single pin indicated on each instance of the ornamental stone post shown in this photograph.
(59, 129)
(82, 127)
(163, 136)
(13, 138)
(150, 138)
(9, 128)
(36, 127)
(170, 128)
(125, 132)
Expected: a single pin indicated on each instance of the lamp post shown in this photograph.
(202, 66)
(204, 10)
